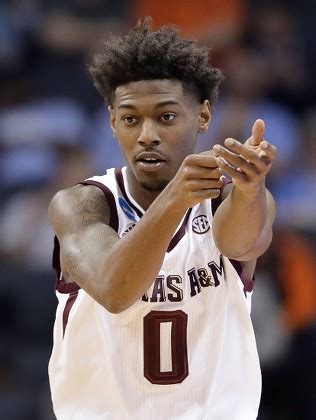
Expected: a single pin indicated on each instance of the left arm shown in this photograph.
(242, 224)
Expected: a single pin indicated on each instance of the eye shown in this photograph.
(129, 119)
(167, 116)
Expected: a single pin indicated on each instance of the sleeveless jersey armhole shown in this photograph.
(114, 223)
(61, 286)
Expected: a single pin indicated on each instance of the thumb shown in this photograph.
(257, 132)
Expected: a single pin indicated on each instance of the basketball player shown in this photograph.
(155, 261)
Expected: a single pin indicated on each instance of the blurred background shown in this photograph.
(54, 132)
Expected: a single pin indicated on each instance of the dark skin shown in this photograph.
(161, 119)
(153, 116)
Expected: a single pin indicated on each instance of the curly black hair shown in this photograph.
(144, 54)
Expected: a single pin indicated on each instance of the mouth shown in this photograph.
(150, 162)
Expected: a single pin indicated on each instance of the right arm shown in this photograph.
(118, 271)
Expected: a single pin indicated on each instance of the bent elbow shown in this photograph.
(114, 306)
(113, 309)
(113, 294)
(234, 253)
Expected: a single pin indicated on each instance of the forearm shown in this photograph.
(240, 220)
(134, 261)
(117, 271)
(112, 270)
(242, 225)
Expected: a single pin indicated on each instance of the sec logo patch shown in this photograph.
(200, 224)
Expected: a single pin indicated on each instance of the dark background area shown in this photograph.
(54, 132)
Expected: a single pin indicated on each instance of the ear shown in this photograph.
(112, 120)
(205, 117)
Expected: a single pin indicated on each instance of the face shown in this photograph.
(156, 124)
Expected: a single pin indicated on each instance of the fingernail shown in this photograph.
(229, 142)
(217, 148)
(264, 145)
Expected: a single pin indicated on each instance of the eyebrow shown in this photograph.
(166, 102)
(159, 105)
(128, 106)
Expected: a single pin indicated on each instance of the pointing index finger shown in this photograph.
(257, 132)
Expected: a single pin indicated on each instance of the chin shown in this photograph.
(154, 185)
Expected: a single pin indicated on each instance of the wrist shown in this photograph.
(166, 208)
(252, 190)
(173, 201)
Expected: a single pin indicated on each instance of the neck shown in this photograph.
(140, 194)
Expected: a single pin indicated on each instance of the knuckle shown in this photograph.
(186, 172)
(241, 161)
(208, 153)
(219, 183)
(217, 172)
(215, 193)
(216, 183)
(223, 163)
(189, 186)
(252, 156)
(188, 159)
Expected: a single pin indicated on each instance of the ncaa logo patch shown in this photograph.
(128, 229)
(200, 224)
(126, 209)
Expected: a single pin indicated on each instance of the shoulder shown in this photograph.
(85, 201)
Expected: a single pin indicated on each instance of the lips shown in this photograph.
(150, 161)
(150, 157)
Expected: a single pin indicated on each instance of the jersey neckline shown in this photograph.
(121, 178)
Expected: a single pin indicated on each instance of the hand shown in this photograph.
(247, 164)
(197, 179)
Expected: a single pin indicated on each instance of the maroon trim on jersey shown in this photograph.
(217, 201)
(110, 199)
(180, 232)
(56, 258)
(120, 181)
(61, 285)
(248, 284)
(69, 304)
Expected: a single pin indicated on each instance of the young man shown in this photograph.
(155, 261)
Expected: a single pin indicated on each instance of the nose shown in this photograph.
(148, 135)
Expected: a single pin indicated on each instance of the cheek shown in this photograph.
(186, 141)
(126, 140)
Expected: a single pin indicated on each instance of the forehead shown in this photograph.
(151, 92)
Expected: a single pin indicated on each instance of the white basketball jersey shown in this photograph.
(185, 350)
